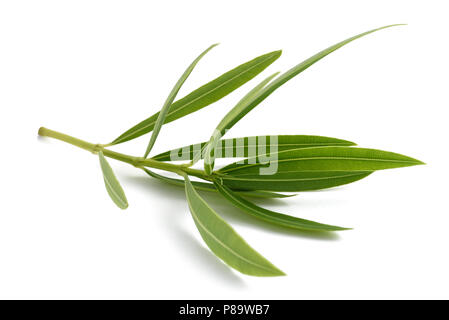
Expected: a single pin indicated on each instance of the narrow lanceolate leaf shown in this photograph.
(246, 146)
(241, 109)
(292, 181)
(205, 95)
(271, 216)
(204, 186)
(113, 187)
(224, 241)
(220, 129)
(171, 97)
(323, 159)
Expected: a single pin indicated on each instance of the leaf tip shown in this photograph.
(416, 162)
(392, 25)
(289, 195)
(124, 207)
(279, 273)
(419, 162)
(276, 54)
(274, 272)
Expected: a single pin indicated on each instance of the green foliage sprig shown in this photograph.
(303, 162)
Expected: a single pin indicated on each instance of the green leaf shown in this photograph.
(171, 97)
(292, 181)
(111, 183)
(243, 107)
(220, 129)
(238, 147)
(224, 241)
(204, 186)
(271, 216)
(205, 95)
(324, 159)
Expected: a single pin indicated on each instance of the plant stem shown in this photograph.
(138, 162)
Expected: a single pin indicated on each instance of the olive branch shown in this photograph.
(301, 162)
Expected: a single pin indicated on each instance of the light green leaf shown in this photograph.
(242, 108)
(324, 159)
(171, 97)
(204, 95)
(238, 147)
(271, 216)
(204, 186)
(292, 181)
(113, 187)
(224, 241)
(220, 129)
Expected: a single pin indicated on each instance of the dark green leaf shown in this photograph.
(171, 97)
(271, 216)
(204, 186)
(238, 147)
(324, 159)
(220, 129)
(205, 95)
(224, 241)
(292, 181)
(111, 183)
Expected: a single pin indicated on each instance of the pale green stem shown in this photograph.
(138, 162)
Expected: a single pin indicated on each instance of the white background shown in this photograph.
(94, 68)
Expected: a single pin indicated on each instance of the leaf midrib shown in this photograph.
(294, 179)
(259, 145)
(284, 144)
(317, 158)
